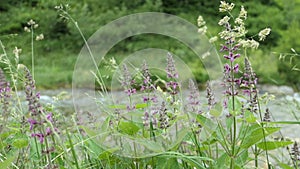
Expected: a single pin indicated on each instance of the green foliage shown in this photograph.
(59, 49)
(153, 134)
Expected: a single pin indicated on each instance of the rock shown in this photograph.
(277, 90)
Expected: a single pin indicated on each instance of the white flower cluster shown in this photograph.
(31, 23)
(39, 37)
(226, 7)
(263, 34)
(202, 27)
(249, 43)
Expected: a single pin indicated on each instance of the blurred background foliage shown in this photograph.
(56, 55)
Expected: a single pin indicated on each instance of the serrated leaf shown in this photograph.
(271, 145)
(128, 127)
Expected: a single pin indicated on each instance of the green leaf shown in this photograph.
(242, 158)
(151, 145)
(180, 136)
(256, 133)
(206, 123)
(215, 112)
(89, 131)
(167, 163)
(237, 106)
(105, 154)
(271, 145)
(249, 116)
(20, 143)
(222, 161)
(194, 161)
(123, 106)
(6, 163)
(118, 106)
(140, 105)
(285, 166)
(285, 122)
(128, 127)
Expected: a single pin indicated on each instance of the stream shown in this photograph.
(285, 107)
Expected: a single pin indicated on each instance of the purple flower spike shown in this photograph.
(224, 48)
(227, 68)
(171, 70)
(32, 123)
(48, 131)
(49, 117)
(40, 136)
(236, 68)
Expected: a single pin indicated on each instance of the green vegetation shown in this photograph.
(56, 55)
(143, 126)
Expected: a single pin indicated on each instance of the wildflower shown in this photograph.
(263, 34)
(249, 80)
(249, 43)
(39, 37)
(127, 81)
(267, 117)
(34, 105)
(5, 94)
(243, 13)
(205, 55)
(48, 131)
(163, 117)
(40, 136)
(32, 123)
(210, 96)
(149, 117)
(171, 70)
(239, 21)
(232, 56)
(213, 39)
(226, 7)
(193, 98)
(295, 152)
(224, 21)
(202, 30)
(49, 117)
(31, 22)
(59, 7)
(146, 77)
(200, 21)
(26, 29)
(17, 52)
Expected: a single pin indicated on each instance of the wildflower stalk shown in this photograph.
(66, 15)
(32, 52)
(73, 151)
(12, 75)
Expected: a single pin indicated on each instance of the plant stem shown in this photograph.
(73, 150)
(232, 161)
(32, 53)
